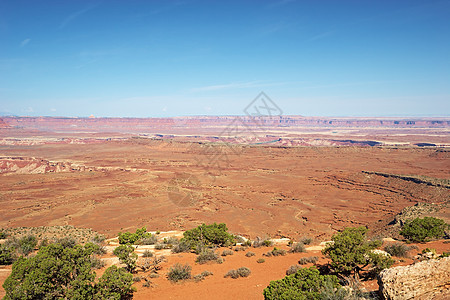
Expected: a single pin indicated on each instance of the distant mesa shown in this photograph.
(91, 117)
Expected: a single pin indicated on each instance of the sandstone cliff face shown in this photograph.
(424, 280)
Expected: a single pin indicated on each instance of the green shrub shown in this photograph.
(297, 248)
(6, 254)
(3, 235)
(97, 263)
(423, 230)
(115, 283)
(179, 272)
(306, 283)
(350, 250)
(64, 273)
(250, 254)
(227, 252)
(398, 249)
(126, 255)
(133, 238)
(308, 260)
(150, 240)
(201, 276)
(261, 260)
(67, 242)
(293, 269)
(259, 242)
(208, 235)
(206, 256)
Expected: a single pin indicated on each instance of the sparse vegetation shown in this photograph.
(305, 240)
(181, 247)
(278, 252)
(208, 235)
(179, 272)
(297, 247)
(65, 273)
(133, 238)
(423, 230)
(126, 255)
(306, 283)
(259, 242)
(261, 260)
(350, 252)
(206, 256)
(7, 256)
(147, 253)
(203, 275)
(293, 269)
(241, 272)
(399, 250)
(250, 254)
(308, 260)
(227, 252)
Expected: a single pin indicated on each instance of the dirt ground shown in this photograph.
(123, 183)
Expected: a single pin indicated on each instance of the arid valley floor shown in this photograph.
(302, 180)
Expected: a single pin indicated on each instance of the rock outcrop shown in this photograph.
(424, 280)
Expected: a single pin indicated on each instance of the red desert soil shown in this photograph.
(110, 182)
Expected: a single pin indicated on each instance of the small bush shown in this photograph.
(293, 269)
(27, 244)
(250, 254)
(67, 242)
(261, 260)
(247, 243)
(137, 278)
(179, 272)
(97, 263)
(158, 232)
(239, 248)
(210, 235)
(126, 255)
(399, 250)
(3, 235)
(147, 253)
(278, 252)
(259, 242)
(98, 239)
(160, 246)
(206, 256)
(6, 255)
(308, 260)
(298, 248)
(305, 240)
(268, 254)
(181, 247)
(244, 271)
(201, 276)
(423, 230)
(150, 240)
(133, 238)
(232, 273)
(227, 252)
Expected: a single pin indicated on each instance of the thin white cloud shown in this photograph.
(25, 42)
(75, 15)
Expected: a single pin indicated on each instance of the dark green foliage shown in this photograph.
(126, 255)
(350, 251)
(208, 235)
(61, 273)
(6, 254)
(206, 256)
(3, 234)
(133, 238)
(179, 272)
(115, 284)
(306, 283)
(398, 249)
(423, 230)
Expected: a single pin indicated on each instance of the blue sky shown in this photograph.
(171, 58)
